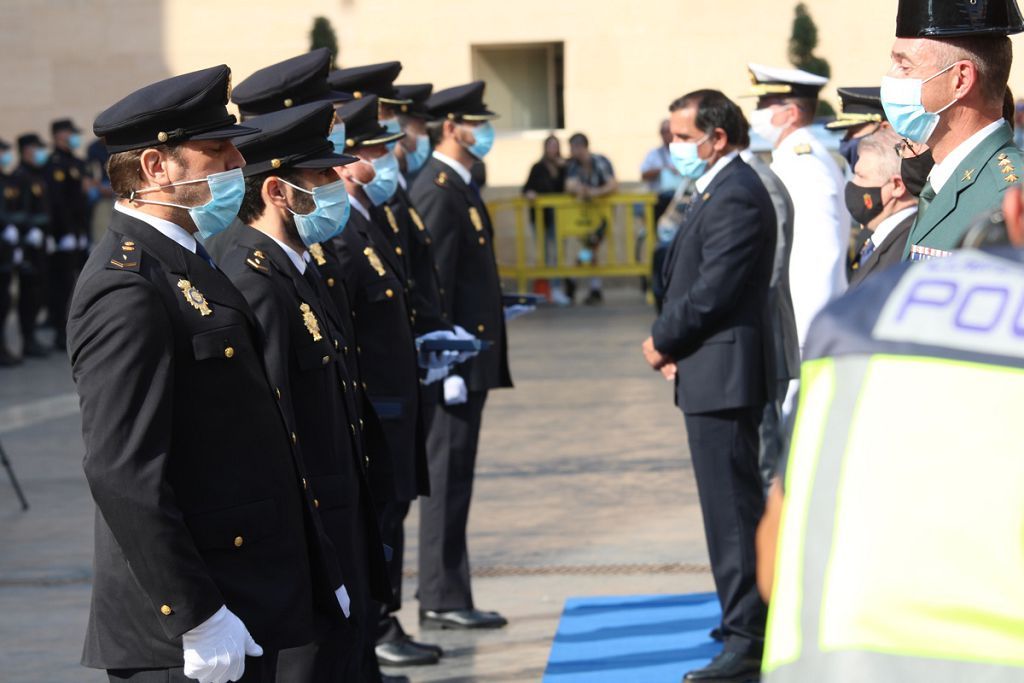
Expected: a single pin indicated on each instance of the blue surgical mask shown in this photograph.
(328, 218)
(484, 140)
(394, 128)
(41, 156)
(385, 179)
(337, 138)
(74, 141)
(6, 159)
(227, 190)
(848, 150)
(901, 100)
(415, 159)
(686, 158)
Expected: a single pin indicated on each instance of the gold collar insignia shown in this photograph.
(374, 260)
(317, 252)
(416, 219)
(474, 217)
(392, 221)
(194, 297)
(310, 321)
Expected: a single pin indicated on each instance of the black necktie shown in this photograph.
(201, 251)
(926, 197)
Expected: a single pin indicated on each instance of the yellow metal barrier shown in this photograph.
(574, 221)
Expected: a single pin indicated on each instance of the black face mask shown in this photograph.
(915, 171)
(863, 203)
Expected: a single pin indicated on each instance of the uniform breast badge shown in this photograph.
(442, 179)
(317, 252)
(374, 260)
(391, 219)
(310, 321)
(474, 218)
(194, 297)
(416, 219)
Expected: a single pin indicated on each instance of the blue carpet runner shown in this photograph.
(633, 639)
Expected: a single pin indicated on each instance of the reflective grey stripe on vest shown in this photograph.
(813, 665)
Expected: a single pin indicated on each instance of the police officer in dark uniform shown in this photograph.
(294, 197)
(9, 239)
(376, 281)
(32, 206)
(451, 205)
(210, 556)
(66, 176)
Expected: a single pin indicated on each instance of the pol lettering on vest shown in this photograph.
(974, 303)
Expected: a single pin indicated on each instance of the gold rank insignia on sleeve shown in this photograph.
(317, 252)
(474, 218)
(802, 149)
(392, 221)
(374, 260)
(310, 321)
(129, 260)
(194, 297)
(416, 219)
(58, 175)
(442, 179)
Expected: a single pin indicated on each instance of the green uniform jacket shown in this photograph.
(976, 186)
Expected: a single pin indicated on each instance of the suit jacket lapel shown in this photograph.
(963, 177)
(888, 244)
(474, 199)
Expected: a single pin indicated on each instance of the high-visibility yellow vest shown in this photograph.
(901, 546)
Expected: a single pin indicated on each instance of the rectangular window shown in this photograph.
(524, 84)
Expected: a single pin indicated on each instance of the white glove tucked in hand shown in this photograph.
(10, 235)
(516, 310)
(455, 391)
(460, 333)
(344, 601)
(35, 238)
(435, 375)
(215, 650)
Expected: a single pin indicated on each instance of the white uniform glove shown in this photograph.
(436, 359)
(83, 242)
(435, 374)
(10, 235)
(35, 238)
(67, 243)
(215, 650)
(516, 310)
(344, 601)
(455, 391)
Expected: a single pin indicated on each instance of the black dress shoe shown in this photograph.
(461, 619)
(33, 349)
(716, 634)
(404, 653)
(727, 667)
(391, 631)
(384, 678)
(8, 359)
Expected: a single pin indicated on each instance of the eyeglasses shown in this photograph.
(905, 145)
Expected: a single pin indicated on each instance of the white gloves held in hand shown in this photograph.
(430, 360)
(513, 312)
(455, 391)
(10, 235)
(344, 601)
(35, 238)
(435, 375)
(215, 650)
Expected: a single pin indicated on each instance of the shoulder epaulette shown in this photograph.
(1007, 170)
(257, 260)
(802, 149)
(126, 256)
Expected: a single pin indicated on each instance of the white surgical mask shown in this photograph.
(761, 124)
(901, 100)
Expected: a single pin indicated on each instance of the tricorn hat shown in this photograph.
(951, 18)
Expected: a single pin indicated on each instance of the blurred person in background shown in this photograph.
(547, 176)
(589, 176)
(657, 170)
(32, 206)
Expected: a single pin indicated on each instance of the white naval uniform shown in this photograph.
(821, 229)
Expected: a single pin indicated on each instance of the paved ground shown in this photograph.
(583, 488)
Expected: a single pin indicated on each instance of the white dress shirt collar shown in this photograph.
(455, 166)
(358, 206)
(293, 256)
(702, 183)
(942, 172)
(889, 224)
(170, 230)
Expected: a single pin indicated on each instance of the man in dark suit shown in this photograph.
(711, 338)
(879, 200)
(293, 196)
(450, 204)
(210, 557)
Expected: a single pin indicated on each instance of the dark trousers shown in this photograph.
(257, 670)
(724, 450)
(451, 458)
(772, 432)
(391, 516)
(31, 290)
(6, 277)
